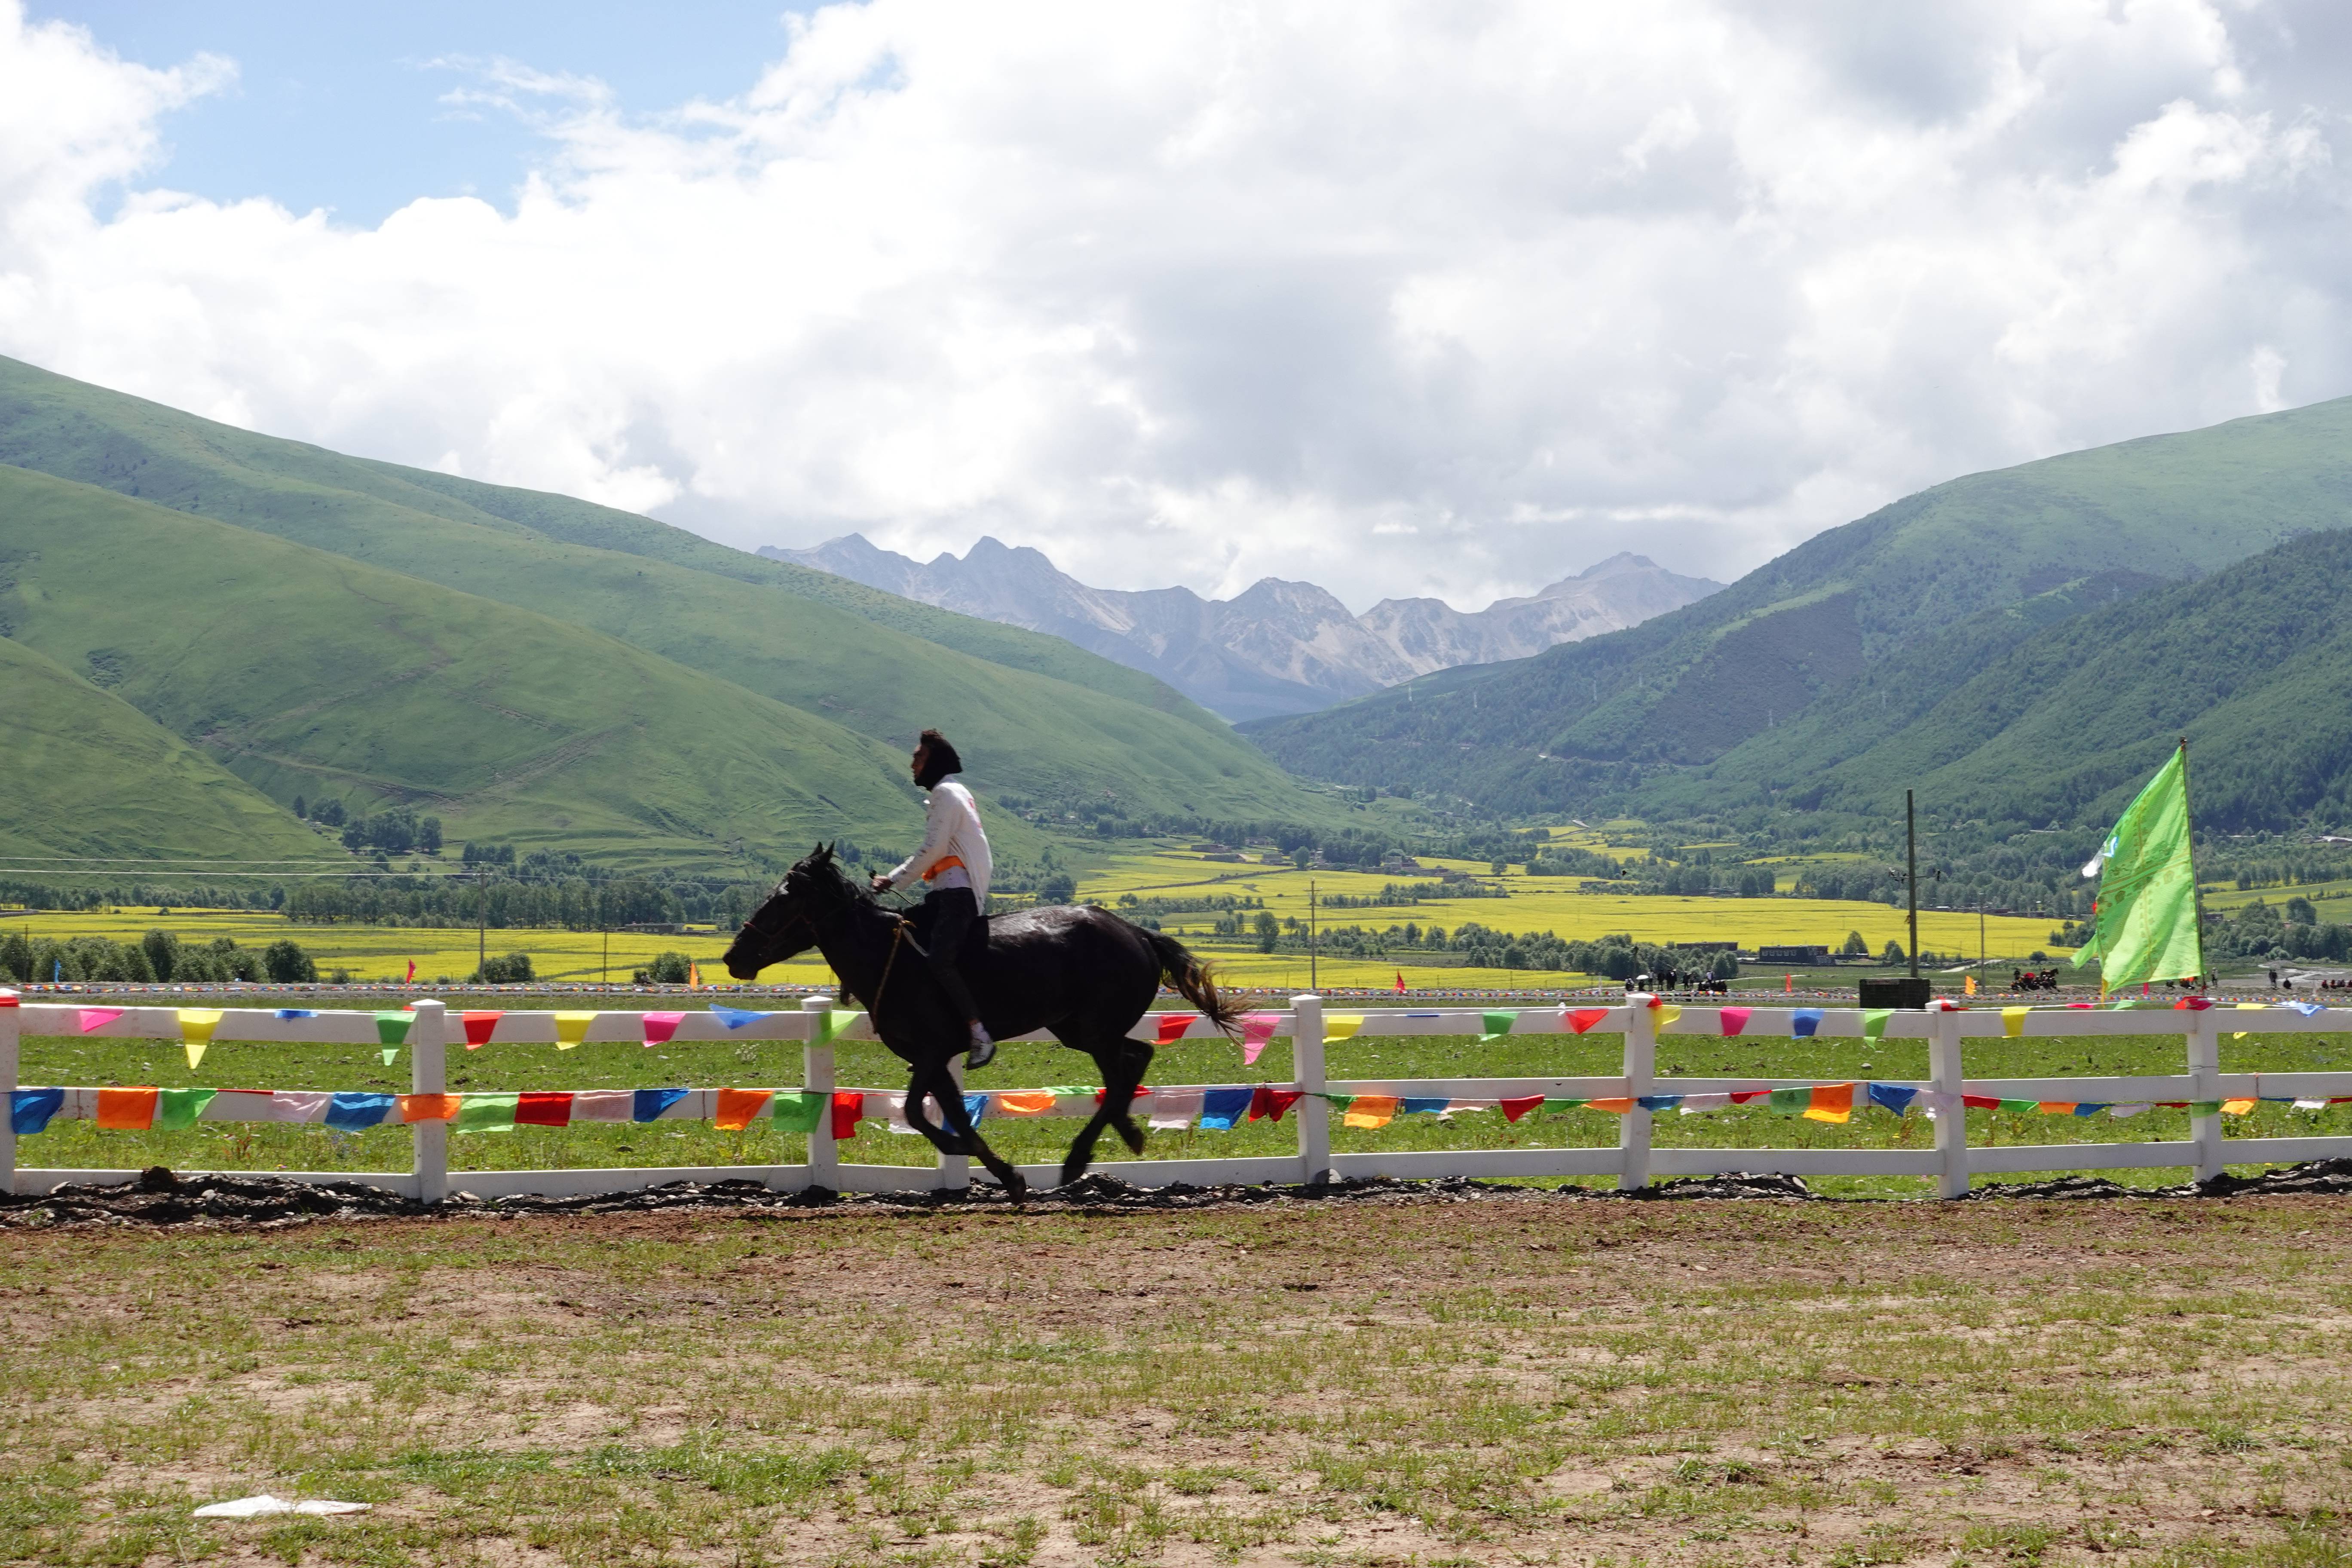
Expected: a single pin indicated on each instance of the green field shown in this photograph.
(866, 1065)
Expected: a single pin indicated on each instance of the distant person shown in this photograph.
(954, 860)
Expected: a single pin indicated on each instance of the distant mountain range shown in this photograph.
(1277, 648)
(2022, 646)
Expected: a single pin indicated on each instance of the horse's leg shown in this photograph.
(1122, 1062)
(919, 1086)
(1133, 1059)
(959, 1123)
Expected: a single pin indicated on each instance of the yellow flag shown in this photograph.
(1969, 987)
(2247, 1007)
(694, 977)
(196, 1026)
(1340, 1026)
(571, 1028)
(1667, 1013)
(2012, 1021)
(2238, 1107)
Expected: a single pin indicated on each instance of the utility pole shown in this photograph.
(1980, 934)
(481, 920)
(1312, 975)
(1911, 875)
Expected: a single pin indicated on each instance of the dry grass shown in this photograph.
(1420, 1382)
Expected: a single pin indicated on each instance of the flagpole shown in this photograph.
(2196, 893)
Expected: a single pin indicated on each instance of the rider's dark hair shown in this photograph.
(942, 759)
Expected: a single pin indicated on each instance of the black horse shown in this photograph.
(1082, 974)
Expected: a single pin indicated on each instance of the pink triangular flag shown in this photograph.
(660, 1026)
(99, 1018)
(1257, 1028)
(1734, 1019)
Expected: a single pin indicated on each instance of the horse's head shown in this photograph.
(810, 901)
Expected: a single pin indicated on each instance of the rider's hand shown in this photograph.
(880, 881)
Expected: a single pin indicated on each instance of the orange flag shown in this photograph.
(126, 1110)
(1364, 1110)
(737, 1107)
(1832, 1102)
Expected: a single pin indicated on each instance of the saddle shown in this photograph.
(925, 915)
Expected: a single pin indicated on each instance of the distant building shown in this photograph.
(1792, 955)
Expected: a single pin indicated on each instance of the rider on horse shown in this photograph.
(954, 860)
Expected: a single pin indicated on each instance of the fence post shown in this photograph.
(428, 1073)
(1944, 1069)
(12, 1024)
(1641, 1070)
(2205, 1083)
(817, 1076)
(1314, 1110)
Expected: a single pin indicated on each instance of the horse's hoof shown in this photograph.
(1072, 1170)
(1017, 1186)
(1132, 1136)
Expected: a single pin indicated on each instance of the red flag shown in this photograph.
(1173, 1024)
(1520, 1105)
(479, 1027)
(412, 969)
(1583, 1018)
(1268, 1101)
(1400, 982)
(849, 1106)
(550, 1109)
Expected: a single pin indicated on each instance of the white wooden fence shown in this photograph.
(1634, 1162)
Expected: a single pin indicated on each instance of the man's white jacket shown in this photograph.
(951, 836)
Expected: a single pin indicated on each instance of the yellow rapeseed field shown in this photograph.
(1147, 870)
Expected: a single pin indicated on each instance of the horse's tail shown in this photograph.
(1191, 977)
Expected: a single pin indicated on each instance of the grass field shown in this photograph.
(239, 1146)
(1407, 1384)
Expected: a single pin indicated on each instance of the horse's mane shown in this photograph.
(820, 866)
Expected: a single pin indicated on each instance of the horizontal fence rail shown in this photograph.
(428, 1029)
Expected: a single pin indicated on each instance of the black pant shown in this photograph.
(953, 910)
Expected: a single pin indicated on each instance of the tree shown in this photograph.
(428, 836)
(1726, 967)
(1892, 952)
(286, 964)
(513, 969)
(162, 953)
(1269, 931)
(1854, 946)
(1061, 888)
(666, 969)
(300, 808)
(329, 812)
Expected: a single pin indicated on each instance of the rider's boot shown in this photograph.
(983, 1049)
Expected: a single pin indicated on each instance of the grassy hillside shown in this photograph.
(1688, 686)
(87, 774)
(1049, 721)
(2253, 665)
(313, 673)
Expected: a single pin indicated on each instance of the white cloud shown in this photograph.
(1399, 297)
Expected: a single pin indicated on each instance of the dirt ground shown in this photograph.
(1409, 1378)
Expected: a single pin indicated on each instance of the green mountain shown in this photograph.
(2023, 728)
(88, 775)
(1559, 729)
(1036, 717)
(303, 672)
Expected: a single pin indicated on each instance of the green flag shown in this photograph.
(2146, 916)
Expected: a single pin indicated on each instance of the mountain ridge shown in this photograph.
(1687, 686)
(1039, 718)
(1279, 647)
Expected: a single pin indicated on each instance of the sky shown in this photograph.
(1448, 298)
